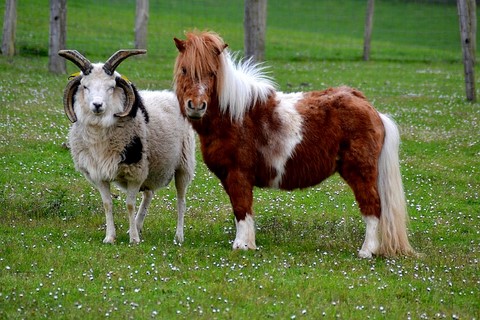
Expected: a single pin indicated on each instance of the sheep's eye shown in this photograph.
(85, 88)
(111, 89)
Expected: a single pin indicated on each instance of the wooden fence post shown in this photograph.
(467, 14)
(368, 30)
(141, 21)
(255, 24)
(9, 28)
(58, 35)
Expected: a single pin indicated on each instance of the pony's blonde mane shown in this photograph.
(240, 83)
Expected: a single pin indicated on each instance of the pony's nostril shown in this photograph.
(190, 104)
(203, 106)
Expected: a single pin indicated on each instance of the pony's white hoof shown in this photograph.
(243, 245)
(245, 238)
(240, 245)
(365, 254)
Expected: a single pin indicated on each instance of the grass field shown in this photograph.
(52, 260)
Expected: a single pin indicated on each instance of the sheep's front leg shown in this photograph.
(142, 211)
(182, 180)
(131, 199)
(104, 188)
(181, 206)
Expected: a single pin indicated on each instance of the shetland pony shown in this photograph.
(252, 135)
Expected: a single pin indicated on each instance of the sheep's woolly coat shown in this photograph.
(146, 148)
(137, 140)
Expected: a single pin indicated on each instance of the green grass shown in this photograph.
(52, 260)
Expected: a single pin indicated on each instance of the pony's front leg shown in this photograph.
(104, 189)
(245, 238)
(241, 197)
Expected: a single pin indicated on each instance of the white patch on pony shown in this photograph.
(245, 238)
(244, 83)
(371, 244)
(282, 143)
(201, 89)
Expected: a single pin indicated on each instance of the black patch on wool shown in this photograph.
(138, 104)
(132, 152)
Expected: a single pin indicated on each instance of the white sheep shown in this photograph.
(138, 140)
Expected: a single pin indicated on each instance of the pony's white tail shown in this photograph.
(393, 218)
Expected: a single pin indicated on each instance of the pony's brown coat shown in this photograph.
(340, 132)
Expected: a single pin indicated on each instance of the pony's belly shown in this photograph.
(298, 181)
(300, 172)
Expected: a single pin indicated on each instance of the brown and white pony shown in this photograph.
(252, 135)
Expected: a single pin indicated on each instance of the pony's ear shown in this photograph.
(180, 44)
(219, 51)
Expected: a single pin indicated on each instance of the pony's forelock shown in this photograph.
(201, 54)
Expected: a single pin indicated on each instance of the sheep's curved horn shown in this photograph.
(76, 57)
(117, 58)
(129, 96)
(69, 92)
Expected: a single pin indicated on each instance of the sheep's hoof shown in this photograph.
(108, 239)
(178, 238)
(135, 240)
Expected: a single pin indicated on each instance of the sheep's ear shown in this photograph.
(129, 96)
(180, 44)
(68, 96)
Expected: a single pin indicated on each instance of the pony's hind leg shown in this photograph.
(362, 178)
(371, 244)
(371, 210)
(368, 200)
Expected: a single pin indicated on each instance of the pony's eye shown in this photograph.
(184, 71)
(212, 74)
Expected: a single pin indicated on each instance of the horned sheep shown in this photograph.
(135, 139)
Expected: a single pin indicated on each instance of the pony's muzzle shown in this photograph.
(195, 111)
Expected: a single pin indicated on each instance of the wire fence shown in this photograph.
(330, 29)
